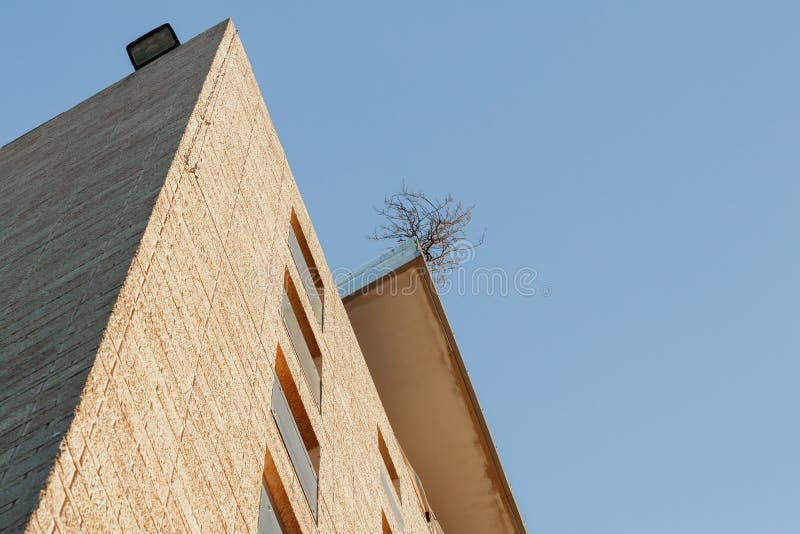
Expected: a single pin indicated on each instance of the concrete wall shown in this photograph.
(173, 424)
(417, 367)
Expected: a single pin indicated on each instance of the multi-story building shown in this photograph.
(175, 354)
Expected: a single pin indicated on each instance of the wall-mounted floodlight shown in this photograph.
(152, 46)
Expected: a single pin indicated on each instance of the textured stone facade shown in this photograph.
(142, 269)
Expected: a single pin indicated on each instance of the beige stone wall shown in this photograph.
(174, 421)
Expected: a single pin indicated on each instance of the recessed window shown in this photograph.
(268, 520)
(275, 509)
(304, 344)
(298, 408)
(307, 268)
(295, 446)
(385, 527)
(390, 480)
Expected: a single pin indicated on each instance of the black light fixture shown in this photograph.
(152, 46)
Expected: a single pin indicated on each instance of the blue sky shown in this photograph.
(640, 156)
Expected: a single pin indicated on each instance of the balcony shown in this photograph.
(308, 275)
(301, 348)
(295, 447)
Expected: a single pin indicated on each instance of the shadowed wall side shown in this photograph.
(76, 195)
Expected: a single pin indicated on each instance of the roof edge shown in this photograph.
(32, 131)
(362, 278)
(395, 261)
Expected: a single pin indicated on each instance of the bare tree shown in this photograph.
(439, 224)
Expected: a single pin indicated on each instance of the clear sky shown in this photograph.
(641, 156)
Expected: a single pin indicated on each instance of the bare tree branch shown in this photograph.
(438, 224)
